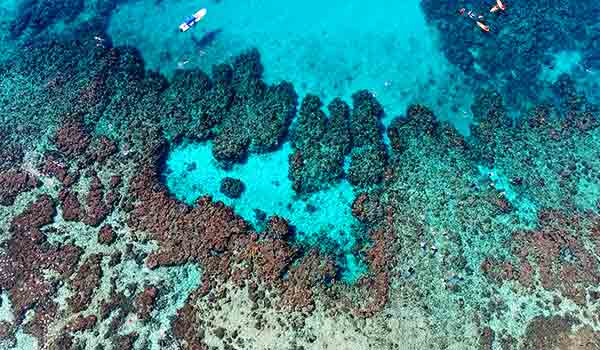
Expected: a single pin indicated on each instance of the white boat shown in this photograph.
(190, 21)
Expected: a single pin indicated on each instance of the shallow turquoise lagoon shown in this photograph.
(331, 48)
(324, 218)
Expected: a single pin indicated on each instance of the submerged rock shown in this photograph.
(232, 188)
(13, 183)
(258, 115)
(106, 235)
(320, 145)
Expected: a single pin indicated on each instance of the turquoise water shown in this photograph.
(330, 49)
(324, 49)
(323, 217)
(477, 234)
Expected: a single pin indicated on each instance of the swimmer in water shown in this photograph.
(476, 17)
(181, 64)
(498, 7)
(99, 41)
(483, 27)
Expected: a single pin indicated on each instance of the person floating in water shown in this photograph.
(498, 7)
(478, 18)
(483, 26)
(190, 21)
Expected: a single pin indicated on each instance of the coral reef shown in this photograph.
(27, 253)
(510, 52)
(558, 333)
(145, 302)
(255, 106)
(14, 182)
(557, 254)
(232, 188)
(71, 139)
(464, 230)
(369, 155)
(106, 235)
(85, 281)
(320, 145)
(185, 103)
(367, 165)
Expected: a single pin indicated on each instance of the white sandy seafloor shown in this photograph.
(331, 48)
(570, 62)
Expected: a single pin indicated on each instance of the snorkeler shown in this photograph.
(475, 17)
(190, 21)
(483, 27)
(498, 7)
(99, 41)
(479, 19)
(469, 13)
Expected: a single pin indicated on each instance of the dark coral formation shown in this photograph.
(186, 107)
(258, 116)
(313, 269)
(320, 145)
(367, 208)
(232, 188)
(145, 302)
(236, 108)
(186, 328)
(511, 52)
(273, 255)
(72, 139)
(559, 333)
(491, 117)
(555, 255)
(74, 142)
(157, 212)
(420, 124)
(380, 259)
(98, 207)
(70, 205)
(369, 155)
(367, 166)
(14, 182)
(27, 253)
(106, 235)
(85, 282)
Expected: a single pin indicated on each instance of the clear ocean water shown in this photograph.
(436, 164)
(330, 50)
